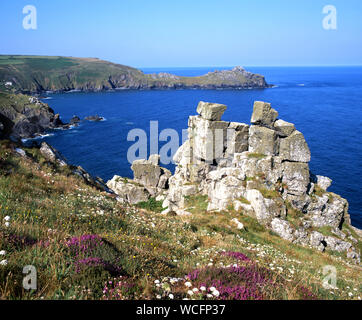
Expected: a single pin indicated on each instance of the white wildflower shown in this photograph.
(202, 288)
(188, 284)
(4, 262)
(190, 292)
(7, 218)
(2, 253)
(216, 293)
(171, 296)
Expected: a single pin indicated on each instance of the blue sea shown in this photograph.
(325, 103)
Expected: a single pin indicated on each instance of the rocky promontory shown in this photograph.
(23, 116)
(259, 170)
(36, 74)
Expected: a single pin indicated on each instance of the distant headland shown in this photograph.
(37, 74)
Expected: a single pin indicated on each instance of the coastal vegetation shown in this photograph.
(86, 245)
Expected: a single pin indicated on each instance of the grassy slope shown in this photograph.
(36, 73)
(132, 247)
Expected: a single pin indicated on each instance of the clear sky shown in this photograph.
(185, 33)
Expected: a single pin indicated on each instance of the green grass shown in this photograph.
(151, 205)
(269, 194)
(256, 155)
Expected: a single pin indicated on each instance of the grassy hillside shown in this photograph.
(86, 245)
(42, 73)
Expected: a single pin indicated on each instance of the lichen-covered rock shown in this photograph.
(210, 111)
(316, 240)
(324, 182)
(294, 148)
(222, 192)
(150, 174)
(337, 244)
(237, 138)
(146, 173)
(283, 229)
(263, 140)
(52, 155)
(257, 202)
(207, 138)
(263, 114)
(331, 213)
(284, 128)
(128, 191)
(296, 177)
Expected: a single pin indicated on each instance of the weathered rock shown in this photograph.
(52, 155)
(94, 118)
(283, 229)
(75, 120)
(210, 111)
(324, 182)
(90, 180)
(263, 141)
(332, 213)
(207, 138)
(316, 240)
(284, 128)
(146, 173)
(294, 148)
(263, 114)
(20, 152)
(237, 138)
(296, 177)
(224, 191)
(257, 202)
(128, 191)
(337, 244)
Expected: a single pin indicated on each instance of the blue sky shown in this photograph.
(171, 33)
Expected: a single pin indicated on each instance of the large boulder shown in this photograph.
(210, 111)
(333, 211)
(237, 138)
(149, 174)
(296, 177)
(284, 128)
(263, 140)
(283, 229)
(207, 138)
(128, 191)
(263, 114)
(294, 148)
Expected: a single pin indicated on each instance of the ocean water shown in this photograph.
(325, 104)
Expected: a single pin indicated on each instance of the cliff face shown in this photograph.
(34, 74)
(259, 170)
(23, 116)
